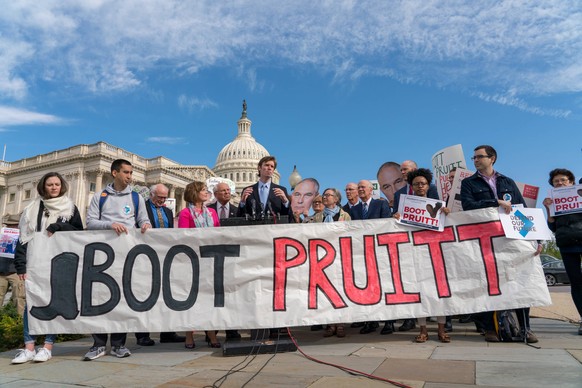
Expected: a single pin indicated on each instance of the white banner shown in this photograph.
(566, 200)
(525, 223)
(422, 212)
(443, 162)
(277, 275)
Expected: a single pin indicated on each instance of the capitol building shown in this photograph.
(86, 168)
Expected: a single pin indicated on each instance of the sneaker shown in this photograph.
(491, 336)
(120, 351)
(94, 352)
(530, 337)
(24, 355)
(42, 355)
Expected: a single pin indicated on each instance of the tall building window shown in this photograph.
(92, 186)
(27, 194)
(11, 197)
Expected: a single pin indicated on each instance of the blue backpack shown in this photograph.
(134, 197)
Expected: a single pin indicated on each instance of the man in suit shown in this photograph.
(160, 217)
(264, 197)
(352, 196)
(369, 208)
(223, 207)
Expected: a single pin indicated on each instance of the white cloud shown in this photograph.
(510, 100)
(10, 116)
(105, 45)
(191, 103)
(167, 140)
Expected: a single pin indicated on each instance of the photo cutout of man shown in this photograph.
(390, 180)
(303, 196)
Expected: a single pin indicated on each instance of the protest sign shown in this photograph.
(529, 193)
(454, 202)
(566, 200)
(443, 162)
(277, 275)
(525, 223)
(422, 212)
(8, 240)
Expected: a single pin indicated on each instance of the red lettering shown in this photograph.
(371, 293)
(434, 240)
(317, 277)
(391, 241)
(281, 267)
(485, 233)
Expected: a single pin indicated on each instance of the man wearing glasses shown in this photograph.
(488, 188)
(352, 196)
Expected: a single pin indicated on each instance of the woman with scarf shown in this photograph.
(51, 212)
(332, 212)
(197, 215)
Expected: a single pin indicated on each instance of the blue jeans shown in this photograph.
(30, 339)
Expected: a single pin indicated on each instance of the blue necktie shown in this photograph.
(263, 194)
(364, 210)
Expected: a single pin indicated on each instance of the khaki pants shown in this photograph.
(18, 292)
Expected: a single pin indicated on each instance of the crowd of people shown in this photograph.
(120, 209)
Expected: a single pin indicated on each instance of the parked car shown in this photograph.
(545, 258)
(555, 273)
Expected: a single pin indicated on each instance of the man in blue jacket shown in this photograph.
(488, 188)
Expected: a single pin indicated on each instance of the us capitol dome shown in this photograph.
(238, 159)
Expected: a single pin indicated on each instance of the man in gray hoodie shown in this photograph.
(118, 208)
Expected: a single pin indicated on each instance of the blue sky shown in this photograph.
(334, 87)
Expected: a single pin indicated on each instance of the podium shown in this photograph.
(262, 340)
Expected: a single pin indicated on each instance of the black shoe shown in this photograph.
(388, 328)
(232, 335)
(171, 338)
(369, 327)
(145, 341)
(357, 324)
(448, 326)
(316, 327)
(408, 324)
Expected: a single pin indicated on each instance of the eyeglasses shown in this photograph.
(317, 203)
(420, 184)
(561, 180)
(328, 195)
(479, 157)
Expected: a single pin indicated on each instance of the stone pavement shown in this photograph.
(467, 361)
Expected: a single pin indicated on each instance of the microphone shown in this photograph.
(262, 210)
(271, 211)
(254, 208)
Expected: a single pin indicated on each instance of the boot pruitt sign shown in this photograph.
(277, 275)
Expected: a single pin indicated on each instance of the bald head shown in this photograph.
(159, 194)
(365, 189)
(407, 166)
(222, 193)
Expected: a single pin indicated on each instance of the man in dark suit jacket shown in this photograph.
(264, 196)
(223, 207)
(352, 196)
(369, 208)
(160, 217)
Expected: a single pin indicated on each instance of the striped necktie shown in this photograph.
(365, 210)
(161, 217)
